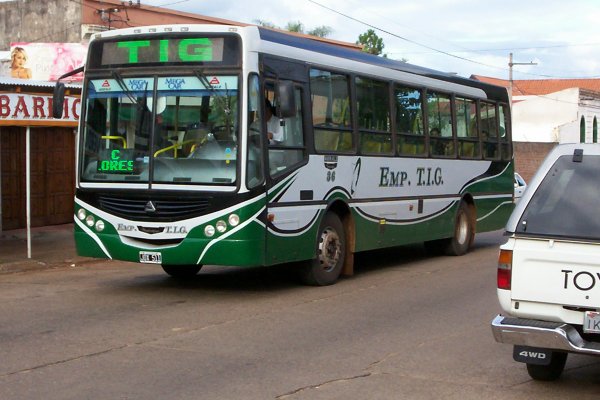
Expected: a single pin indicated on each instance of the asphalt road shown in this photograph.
(406, 326)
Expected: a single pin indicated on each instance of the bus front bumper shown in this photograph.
(541, 334)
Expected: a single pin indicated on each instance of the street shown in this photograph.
(406, 326)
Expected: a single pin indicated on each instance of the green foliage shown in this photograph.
(321, 31)
(264, 23)
(297, 26)
(371, 43)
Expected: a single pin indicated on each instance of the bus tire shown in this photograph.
(464, 232)
(550, 372)
(326, 267)
(182, 271)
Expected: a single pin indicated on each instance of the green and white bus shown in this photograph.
(176, 166)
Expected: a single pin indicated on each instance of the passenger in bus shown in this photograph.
(439, 147)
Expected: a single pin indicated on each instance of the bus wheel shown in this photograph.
(464, 232)
(182, 271)
(326, 267)
(459, 243)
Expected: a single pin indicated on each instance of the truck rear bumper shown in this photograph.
(542, 334)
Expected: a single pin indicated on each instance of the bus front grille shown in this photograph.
(154, 210)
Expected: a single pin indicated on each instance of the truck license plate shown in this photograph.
(150, 257)
(591, 322)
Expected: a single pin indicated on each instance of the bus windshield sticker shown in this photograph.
(193, 83)
(112, 85)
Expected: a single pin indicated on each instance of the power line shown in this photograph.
(507, 48)
(400, 37)
(435, 50)
(170, 4)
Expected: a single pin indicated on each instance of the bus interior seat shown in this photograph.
(467, 149)
(326, 140)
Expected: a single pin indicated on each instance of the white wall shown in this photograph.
(536, 118)
(555, 117)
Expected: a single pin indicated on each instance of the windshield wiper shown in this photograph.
(117, 76)
(204, 80)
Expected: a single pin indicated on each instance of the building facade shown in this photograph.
(32, 141)
(52, 156)
(546, 112)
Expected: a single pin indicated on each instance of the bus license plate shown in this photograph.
(150, 257)
(591, 322)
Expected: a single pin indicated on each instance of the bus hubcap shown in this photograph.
(330, 249)
(463, 229)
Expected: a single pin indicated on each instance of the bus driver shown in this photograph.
(274, 128)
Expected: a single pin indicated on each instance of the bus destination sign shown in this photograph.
(173, 51)
(116, 161)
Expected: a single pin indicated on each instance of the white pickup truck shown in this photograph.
(549, 270)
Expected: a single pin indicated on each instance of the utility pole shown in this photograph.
(510, 74)
(107, 14)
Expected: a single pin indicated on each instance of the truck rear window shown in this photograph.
(566, 204)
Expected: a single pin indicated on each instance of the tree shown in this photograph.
(297, 26)
(321, 31)
(264, 23)
(371, 43)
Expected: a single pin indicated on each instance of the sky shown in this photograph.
(562, 38)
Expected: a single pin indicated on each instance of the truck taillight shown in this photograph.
(504, 269)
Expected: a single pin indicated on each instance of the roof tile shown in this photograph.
(539, 87)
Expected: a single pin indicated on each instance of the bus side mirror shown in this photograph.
(286, 100)
(58, 100)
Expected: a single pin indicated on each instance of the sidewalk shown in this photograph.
(51, 246)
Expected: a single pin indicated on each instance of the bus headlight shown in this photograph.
(234, 220)
(99, 225)
(89, 220)
(209, 230)
(81, 214)
(221, 226)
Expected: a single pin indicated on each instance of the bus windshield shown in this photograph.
(161, 130)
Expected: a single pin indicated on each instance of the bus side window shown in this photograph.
(290, 150)
(489, 131)
(331, 115)
(409, 121)
(439, 117)
(254, 164)
(374, 122)
(466, 128)
(505, 137)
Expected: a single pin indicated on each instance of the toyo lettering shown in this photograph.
(582, 280)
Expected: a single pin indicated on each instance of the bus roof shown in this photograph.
(492, 91)
(318, 46)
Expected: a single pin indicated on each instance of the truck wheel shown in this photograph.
(550, 372)
(326, 267)
(182, 271)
